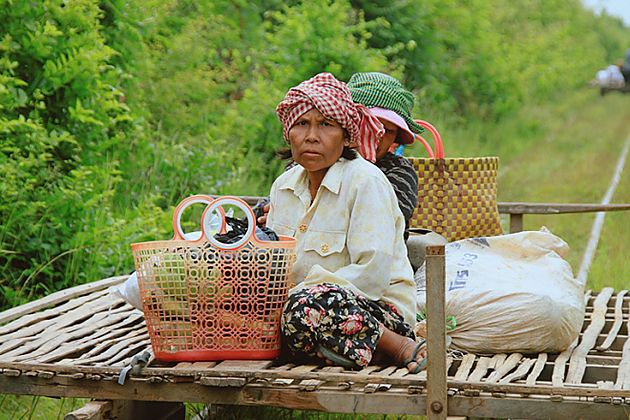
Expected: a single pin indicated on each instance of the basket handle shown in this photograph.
(426, 145)
(183, 205)
(437, 139)
(216, 206)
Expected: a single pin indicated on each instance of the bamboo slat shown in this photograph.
(50, 341)
(464, 367)
(32, 318)
(49, 326)
(522, 370)
(111, 348)
(483, 365)
(538, 367)
(577, 362)
(501, 370)
(87, 343)
(617, 324)
(58, 297)
(623, 373)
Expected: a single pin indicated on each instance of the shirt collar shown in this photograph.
(298, 178)
(332, 179)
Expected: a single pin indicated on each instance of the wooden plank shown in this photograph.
(400, 372)
(516, 222)
(623, 373)
(58, 297)
(464, 367)
(538, 367)
(348, 401)
(304, 368)
(222, 382)
(532, 408)
(617, 323)
(93, 410)
(240, 365)
(436, 334)
(557, 208)
(579, 390)
(310, 384)
(369, 369)
(577, 362)
(387, 371)
(501, 370)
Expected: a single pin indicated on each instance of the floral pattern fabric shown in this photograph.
(334, 317)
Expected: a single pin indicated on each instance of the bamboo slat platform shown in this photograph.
(76, 342)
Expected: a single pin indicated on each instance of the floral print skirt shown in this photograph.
(333, 317)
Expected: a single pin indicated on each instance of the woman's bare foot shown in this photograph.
(412, 355)
(402, 350)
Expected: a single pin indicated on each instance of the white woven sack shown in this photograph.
(510, 293)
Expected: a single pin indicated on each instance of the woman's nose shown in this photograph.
(312, 133)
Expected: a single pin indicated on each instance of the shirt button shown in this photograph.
(324, 247)
(302, 228)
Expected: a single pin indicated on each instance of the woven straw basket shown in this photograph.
(457, 197)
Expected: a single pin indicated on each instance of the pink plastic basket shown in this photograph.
(206, 300)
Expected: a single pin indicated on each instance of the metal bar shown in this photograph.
(436, 334)
(511, 207)
(557, 208)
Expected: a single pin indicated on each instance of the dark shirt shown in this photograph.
(404, 179)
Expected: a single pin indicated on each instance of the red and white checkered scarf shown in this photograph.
(332, 98)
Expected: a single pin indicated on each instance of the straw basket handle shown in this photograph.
(187, 202)
(216, 206)
(437, 139)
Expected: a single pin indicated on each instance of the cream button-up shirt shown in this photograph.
(350, 235)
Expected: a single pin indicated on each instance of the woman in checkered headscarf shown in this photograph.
(355, 296)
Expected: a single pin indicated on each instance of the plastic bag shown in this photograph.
(510, 293)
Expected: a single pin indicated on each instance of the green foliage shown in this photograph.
(61, 118)
(111, 111)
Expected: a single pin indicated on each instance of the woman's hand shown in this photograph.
(262, 220)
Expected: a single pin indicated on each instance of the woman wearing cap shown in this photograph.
(354, 297)
(392, 104)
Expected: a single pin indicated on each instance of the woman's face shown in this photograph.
(391, 132)
(316, 142)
